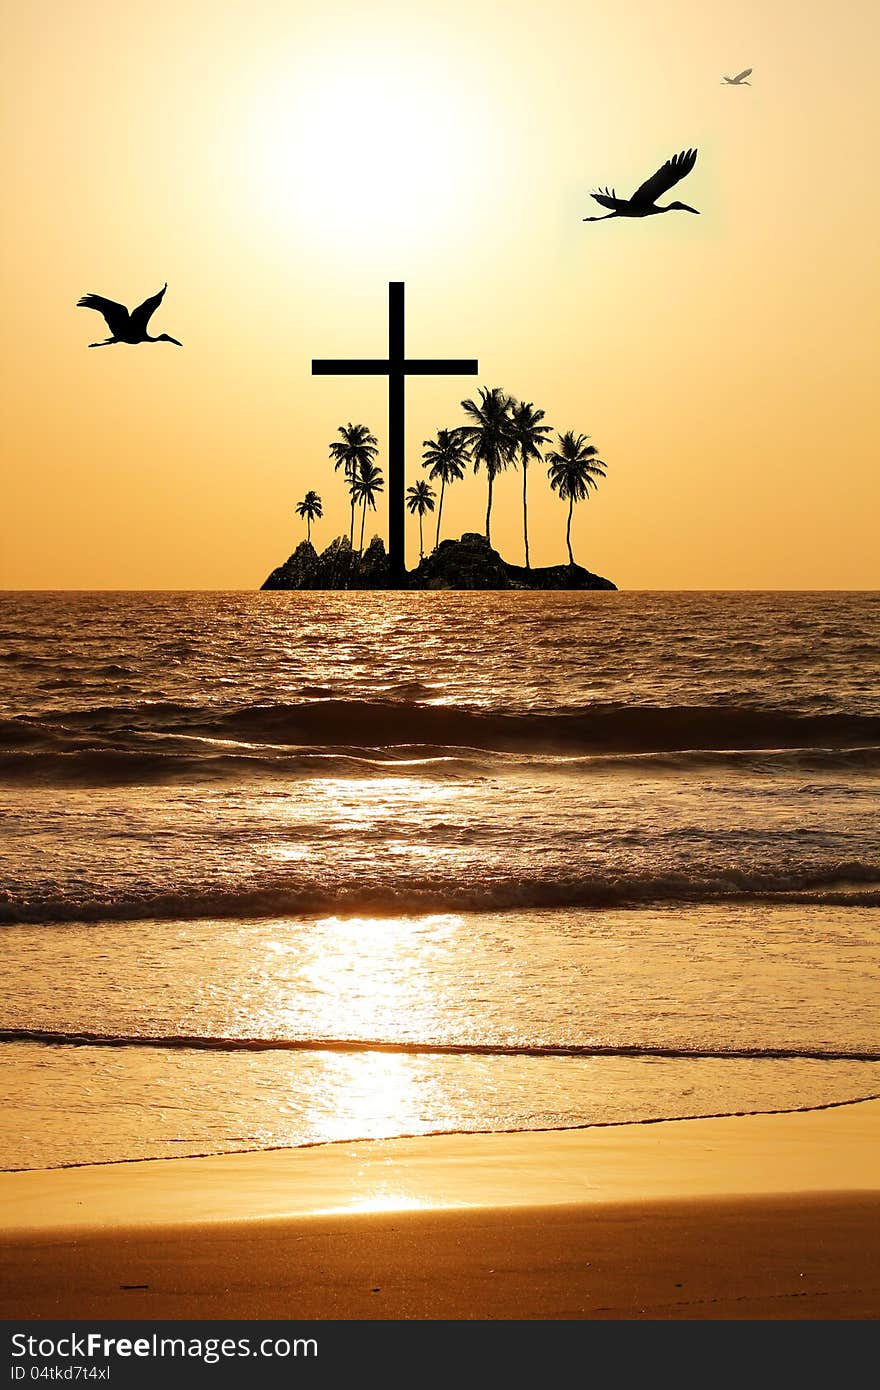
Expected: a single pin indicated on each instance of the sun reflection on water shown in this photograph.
(362, 973)
(376, 1094)
(361, 977)
(368, 795)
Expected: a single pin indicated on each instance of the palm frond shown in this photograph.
(490, 437)
(574, 466)
(420, 498)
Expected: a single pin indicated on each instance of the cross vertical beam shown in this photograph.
(397, 367)
(396, 433)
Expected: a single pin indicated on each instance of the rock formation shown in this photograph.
(469, 563)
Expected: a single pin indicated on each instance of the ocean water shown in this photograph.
(279, 869)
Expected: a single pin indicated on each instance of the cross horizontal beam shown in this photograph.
(410, 366)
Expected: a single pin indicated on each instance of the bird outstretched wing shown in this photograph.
(607, 198)
(665, 178)
(141, 316)
(746, 72)
(115, 314)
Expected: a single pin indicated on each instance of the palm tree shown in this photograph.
(573, 470)
(357, 447)
(446, 457)
(420, 498)
(363, 489)
(490, 438)
(311, 509)
(531, 439)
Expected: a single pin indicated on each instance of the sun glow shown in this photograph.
(383, 1199)
(369, 150)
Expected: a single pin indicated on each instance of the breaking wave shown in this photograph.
(855, 884)
(169, 741)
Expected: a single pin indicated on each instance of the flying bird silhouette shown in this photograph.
(127, 327)
(740, 79)
(643, 201)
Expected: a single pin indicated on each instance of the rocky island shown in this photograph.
(468, 563)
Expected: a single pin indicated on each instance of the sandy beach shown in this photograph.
(773, 1216)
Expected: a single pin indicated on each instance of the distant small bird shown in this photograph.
(127, 327)
(642, 203)
(740, 79)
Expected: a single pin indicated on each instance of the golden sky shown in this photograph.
(278, 163)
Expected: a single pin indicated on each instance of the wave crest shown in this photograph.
(170, 741)
(854, 884)
(214, 1043)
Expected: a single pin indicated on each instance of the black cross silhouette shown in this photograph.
(397, 367)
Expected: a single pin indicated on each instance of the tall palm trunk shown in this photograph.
(351, 530)
(525, 466)
(568, 530)
(309, 529)
(440, 511)
(421, 542)
(363, 523)
(489, 505)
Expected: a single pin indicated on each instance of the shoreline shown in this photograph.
(746, 1216)
(466, 1133)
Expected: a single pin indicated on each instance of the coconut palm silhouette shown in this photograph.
(420, 499)
(491, 440)
(446, 457)
(574, 468)
(357, 447)
(531, 439)
(363, 487)
(310, 509)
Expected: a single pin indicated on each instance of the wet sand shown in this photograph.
(742, 1217)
